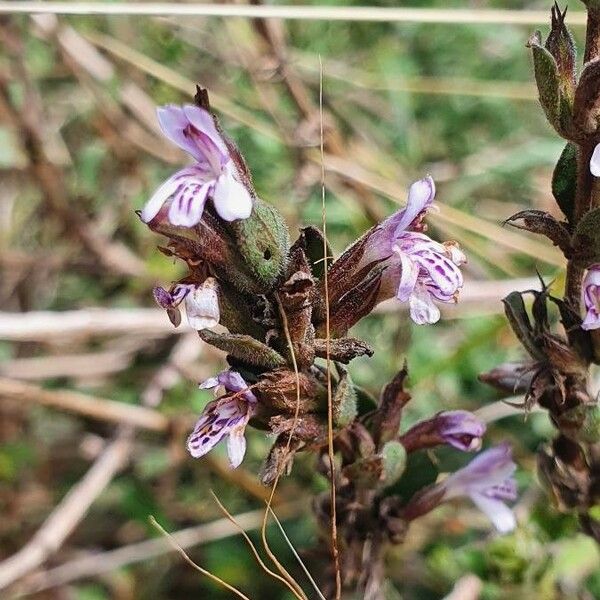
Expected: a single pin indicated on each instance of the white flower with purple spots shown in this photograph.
(225, 417)
(591, 298)
(420, 270)
(201, 303)
(213, 176)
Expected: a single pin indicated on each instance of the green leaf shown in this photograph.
(546, 77)
(244, 348)
(394, 461)
(586, 241)
(564, 180)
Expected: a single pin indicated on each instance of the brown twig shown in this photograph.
(29, 121)
(95, 564)
(69, 512)
(83, 404)
(74, 506)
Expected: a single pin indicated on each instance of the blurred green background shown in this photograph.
(401, 100)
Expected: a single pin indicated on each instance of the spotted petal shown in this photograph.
(219, 418)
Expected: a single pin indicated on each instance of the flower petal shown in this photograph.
(591, 298)
(231, 198)
(420, 197)
(461, 429)
(488, 469)
(408, 276)
(236, 446)
(160, 196)
(202, 305)
(210, 383)
(173, 122)
(203, 121)
(595, 162)
(188, 203)
(444, 273)
(422, 309)
(496, 511)
(205, 435)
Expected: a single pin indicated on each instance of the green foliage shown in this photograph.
(564, 180)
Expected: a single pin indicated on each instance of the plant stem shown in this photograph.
(592, 34)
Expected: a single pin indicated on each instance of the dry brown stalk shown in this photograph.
(84, 404)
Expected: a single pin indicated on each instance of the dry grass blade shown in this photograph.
(94, 563)
(253, 547)
(334, 543)
(187, 559)
(42, 325)
(293, 550)
(321, 13)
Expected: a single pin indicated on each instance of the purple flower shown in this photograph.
(461, 429)
(458, 428)
(419, 269)
(595, 162)
(591, 296)
(487, 480)
(201, 303)
(214, 174)
(224, 417)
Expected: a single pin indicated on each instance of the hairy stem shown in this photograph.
(592, 35)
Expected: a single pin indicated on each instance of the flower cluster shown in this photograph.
(268, 295)
(419, 270)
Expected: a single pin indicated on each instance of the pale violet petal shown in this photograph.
(595, 162)
(420, 197)
(206, 435)
(188, 203)
(173, 122)
(423, 311)
(488, 469)
(231, 198)
(203, 121)
(160, 196)
(408, 276)
(236, 447)
(496, 511)
(444, 274)
(592, 320)
(209, 383)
